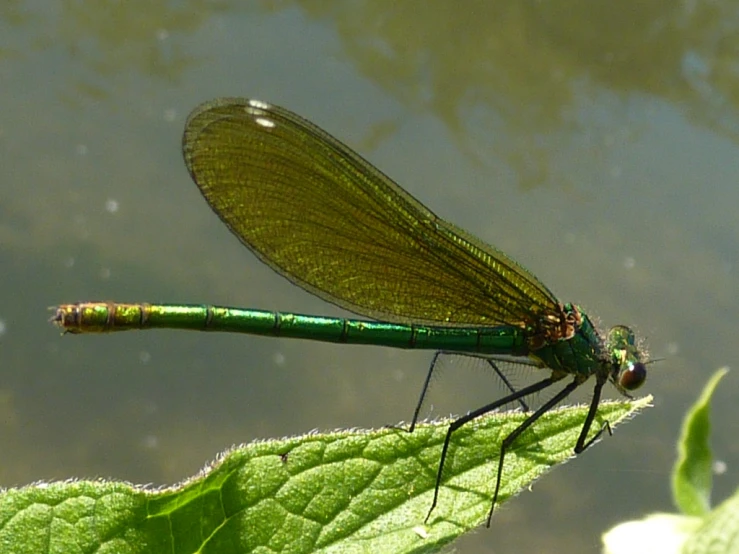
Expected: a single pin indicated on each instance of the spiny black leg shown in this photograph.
(427, 382)
(456, 424)
(424, 390)
(508, 441)
(581, 444)
(508, 384)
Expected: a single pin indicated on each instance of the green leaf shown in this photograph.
(720, 530)
(700, 531)
(662, 533)
(692, 475)
(346, 491)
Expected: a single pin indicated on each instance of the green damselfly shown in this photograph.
(326, 219)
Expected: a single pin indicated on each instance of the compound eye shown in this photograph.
(634, 377)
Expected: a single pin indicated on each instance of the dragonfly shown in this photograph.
(323, 217)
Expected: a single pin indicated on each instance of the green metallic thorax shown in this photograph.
(583, 353)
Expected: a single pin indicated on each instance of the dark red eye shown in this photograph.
(634, 377)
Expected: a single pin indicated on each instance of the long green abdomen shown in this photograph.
(105, 317)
